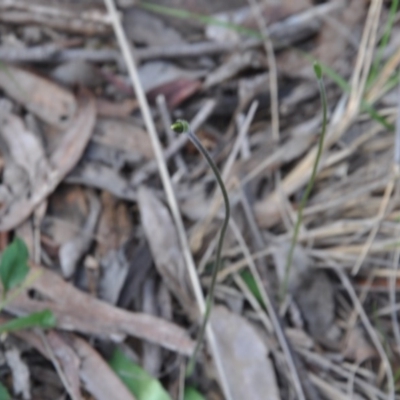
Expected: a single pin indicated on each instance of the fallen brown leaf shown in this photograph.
(78, 311)
(78, 357)
(62, 160)
(244, 356)
(163, 241)
(48, 101)
(73, 250)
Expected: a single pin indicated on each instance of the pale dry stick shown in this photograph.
(57, 365)
(287, 212)
(388, 309)
(386, 273)
(356, 194)
(238, 143)
(273, 75)
(388, 69)
(369, 328)
(245, 152)
(271, 312)
(133, 73)
(200, 230)
(351, 252)
(374, 231)
(239, 265)
(182, 377)
(338, 228)
(364, 58)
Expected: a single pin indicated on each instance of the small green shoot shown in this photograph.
(192, 394)
(4, 395)
(182, 126)
(14, 265)
(139, 382)
(307, 192)
(251, 283)
(396, 376)
(42, 319)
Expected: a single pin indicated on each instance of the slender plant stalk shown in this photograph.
(182, 126)
(289, 260)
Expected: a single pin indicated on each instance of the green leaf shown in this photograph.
(4, 395)
(192, 394)
(14, 264)
(41, 319)
(140, 383)
(251, 283)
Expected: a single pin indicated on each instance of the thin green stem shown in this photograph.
(307, 192)
(183, 127)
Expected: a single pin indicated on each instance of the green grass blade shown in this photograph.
(139, 382)
(41, 319)
(184, 14)
(4, 395)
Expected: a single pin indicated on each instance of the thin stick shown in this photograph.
(68, 387)
(374, 231)
(183, 127)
